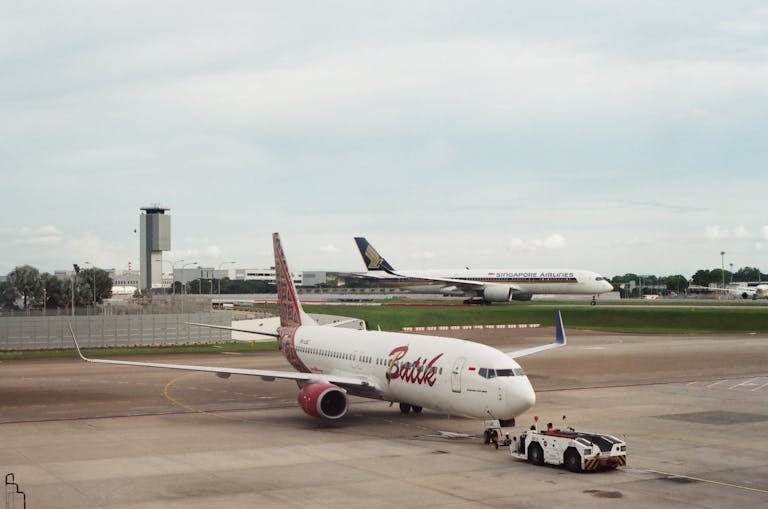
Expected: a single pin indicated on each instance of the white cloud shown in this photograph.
(553, 241)
(764, 232)
(715, 232)
(329, 248)
(214, 251)
(47, 235)
(422, 255)
(630, 242)
(740, 232)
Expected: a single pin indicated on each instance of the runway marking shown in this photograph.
(715, 383)
(176, 401)
(710, 481)
(760, 387)
(745, 382)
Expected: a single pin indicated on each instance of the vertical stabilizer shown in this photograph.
(372, 259)
(291, 313)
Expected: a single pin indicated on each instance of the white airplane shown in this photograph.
(487, 285)
(454, 376)
(745, 291)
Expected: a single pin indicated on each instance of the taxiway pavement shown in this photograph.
(693, 409)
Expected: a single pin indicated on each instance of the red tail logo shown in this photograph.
(288, 303)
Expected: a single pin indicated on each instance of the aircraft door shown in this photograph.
(456, 374)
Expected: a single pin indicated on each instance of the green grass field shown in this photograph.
(649, 319)
(705, 318)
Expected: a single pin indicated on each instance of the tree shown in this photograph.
(746, 274)
(28, 283)
(8, 296)
(83, 292)
(702, 278)
(677, 283)
(98, 278)
(53, 291)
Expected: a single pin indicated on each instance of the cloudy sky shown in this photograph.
(613, 136)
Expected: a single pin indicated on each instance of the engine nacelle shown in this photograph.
(497, 293)
(323, 400)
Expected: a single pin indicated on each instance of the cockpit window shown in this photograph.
(493, 373)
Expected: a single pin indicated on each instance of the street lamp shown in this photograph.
(93, 271)
(731, 278)
(220, 265)
(722, 266)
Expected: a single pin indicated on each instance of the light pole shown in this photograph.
(93, 271)
(75, 272)
(722, 267)
(731, 278)
(184, 284)
(220, 265)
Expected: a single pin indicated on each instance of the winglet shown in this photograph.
(77, 347)
(560, 338)
(559, 341)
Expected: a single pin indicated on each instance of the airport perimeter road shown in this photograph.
(693, 409)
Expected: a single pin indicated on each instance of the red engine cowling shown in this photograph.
(323, 400)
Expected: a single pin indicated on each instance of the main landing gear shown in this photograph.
(406, 408)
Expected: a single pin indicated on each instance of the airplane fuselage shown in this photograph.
(450, 375)
(534, 281)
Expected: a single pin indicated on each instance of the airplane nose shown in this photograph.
(524, 397)
(529, 396)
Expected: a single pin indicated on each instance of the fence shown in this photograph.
(49, 332)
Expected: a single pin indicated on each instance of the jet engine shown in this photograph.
(522, 296)
(323, 400)
(497, 293)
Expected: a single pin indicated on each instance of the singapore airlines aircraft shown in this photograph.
(487, 285)
(454, 376)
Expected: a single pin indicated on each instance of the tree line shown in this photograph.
(678, 283)
(26, 288)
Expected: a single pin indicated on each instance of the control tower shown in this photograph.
(155, 237)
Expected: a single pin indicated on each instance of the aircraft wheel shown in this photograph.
(572, 460)
(405, 408)
(416, 409)
(535, 454)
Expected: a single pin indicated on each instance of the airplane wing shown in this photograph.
(223, 372)
(273, 334)
(264, 332)
(559, 341)
(464, 284)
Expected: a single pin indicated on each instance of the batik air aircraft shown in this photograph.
(486, 285)
(454, 376)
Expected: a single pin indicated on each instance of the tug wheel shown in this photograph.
(535, 454)
(572, 460)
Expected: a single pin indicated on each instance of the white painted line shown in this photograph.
(718, 382)
(746, 382)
